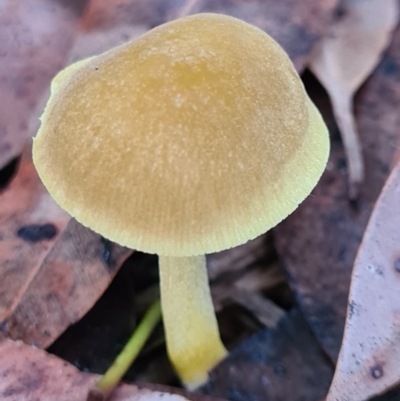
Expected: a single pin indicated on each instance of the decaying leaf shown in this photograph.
(284, 363)
(318, 243)
(29, 374)
(36, 36)
(369, 358)
(344, 59)
(52, 269)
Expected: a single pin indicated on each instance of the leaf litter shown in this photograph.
(327, 225)
(369, 358)
(37, 36)
(28, 373)
(52, 268)
(344, 59)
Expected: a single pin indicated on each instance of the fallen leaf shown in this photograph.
(345, 58)
(369, 358)
(296, 25)
(28, 374)
(284, 363)
(52, 268)
(36, 38)
(318, 243)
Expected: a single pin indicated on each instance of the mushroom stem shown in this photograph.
(191, 329)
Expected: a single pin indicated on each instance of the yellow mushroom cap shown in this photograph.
(196, 137)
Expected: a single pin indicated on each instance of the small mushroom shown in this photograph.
(196, 137)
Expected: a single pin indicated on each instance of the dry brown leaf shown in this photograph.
(52, 269)
(36, 36)
(344, 59)
(29, 374)
(369, 358)
(319, 242)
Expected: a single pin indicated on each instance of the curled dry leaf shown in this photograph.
(369, 358)
(319, 242)
(28, 374)
(52, 269)
(283, 363)
(36, 36)
(344, 59)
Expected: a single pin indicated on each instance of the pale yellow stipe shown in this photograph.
(193, 342)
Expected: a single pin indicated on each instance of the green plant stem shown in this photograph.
(111, 378)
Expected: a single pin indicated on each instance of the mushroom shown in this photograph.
(196, 137)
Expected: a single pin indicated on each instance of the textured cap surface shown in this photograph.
(196, 137)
